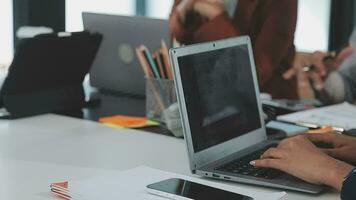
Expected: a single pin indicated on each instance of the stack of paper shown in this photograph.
(340, 115)
(132, 185)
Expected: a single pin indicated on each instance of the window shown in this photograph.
(313, 25)
(159, 8)
(312, 29)
(74, 9)
(6, 33)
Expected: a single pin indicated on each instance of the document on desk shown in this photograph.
(132, 184)
(340, 115)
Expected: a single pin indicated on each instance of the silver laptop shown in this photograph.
(217, 91)
(116, 67)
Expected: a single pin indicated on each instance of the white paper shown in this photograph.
(132, 185)
(340, 115)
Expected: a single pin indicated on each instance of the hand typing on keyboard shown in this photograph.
(243, 166)
(299, 157)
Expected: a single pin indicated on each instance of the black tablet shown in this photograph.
(47, 73)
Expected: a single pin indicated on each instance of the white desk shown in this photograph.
(37, 151)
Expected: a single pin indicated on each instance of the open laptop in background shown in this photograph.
(218, 95)
(116, 67)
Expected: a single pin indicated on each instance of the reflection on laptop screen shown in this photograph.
(220, 95)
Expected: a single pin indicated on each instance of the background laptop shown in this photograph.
(116, 67)
(221, 113)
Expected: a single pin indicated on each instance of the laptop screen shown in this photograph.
(220, 95)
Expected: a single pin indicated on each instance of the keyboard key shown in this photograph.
(242, 166)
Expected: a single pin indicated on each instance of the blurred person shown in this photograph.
(332, 80)
(270, 24)
(331, 165)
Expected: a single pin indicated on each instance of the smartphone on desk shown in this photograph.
(179, 189)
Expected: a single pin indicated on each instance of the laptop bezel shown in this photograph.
(220, 151)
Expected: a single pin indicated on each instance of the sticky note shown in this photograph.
(121, 121)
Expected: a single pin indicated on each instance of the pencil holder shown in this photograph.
(160, 95)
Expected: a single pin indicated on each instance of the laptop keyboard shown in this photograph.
(242, 166)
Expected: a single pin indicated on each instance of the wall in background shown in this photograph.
(6, 38)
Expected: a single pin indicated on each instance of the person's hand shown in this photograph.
(209, 8)
(301, 158)
(338, 146)
(322, 67)
(304, 88)
(340, 58)
(184, 7)
(302, 60)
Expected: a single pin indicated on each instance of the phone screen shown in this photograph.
(194, 191)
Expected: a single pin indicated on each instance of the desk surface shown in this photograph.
(37, 151)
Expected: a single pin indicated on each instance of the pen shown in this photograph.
(164, 67)
(153, 66)
(315, 126)
(302, 124)
(159, 63)
(324, 130)
(166, 60)
(144, 62)
(307, 125)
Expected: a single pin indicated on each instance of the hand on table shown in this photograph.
(299, 157)
(340, 147)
